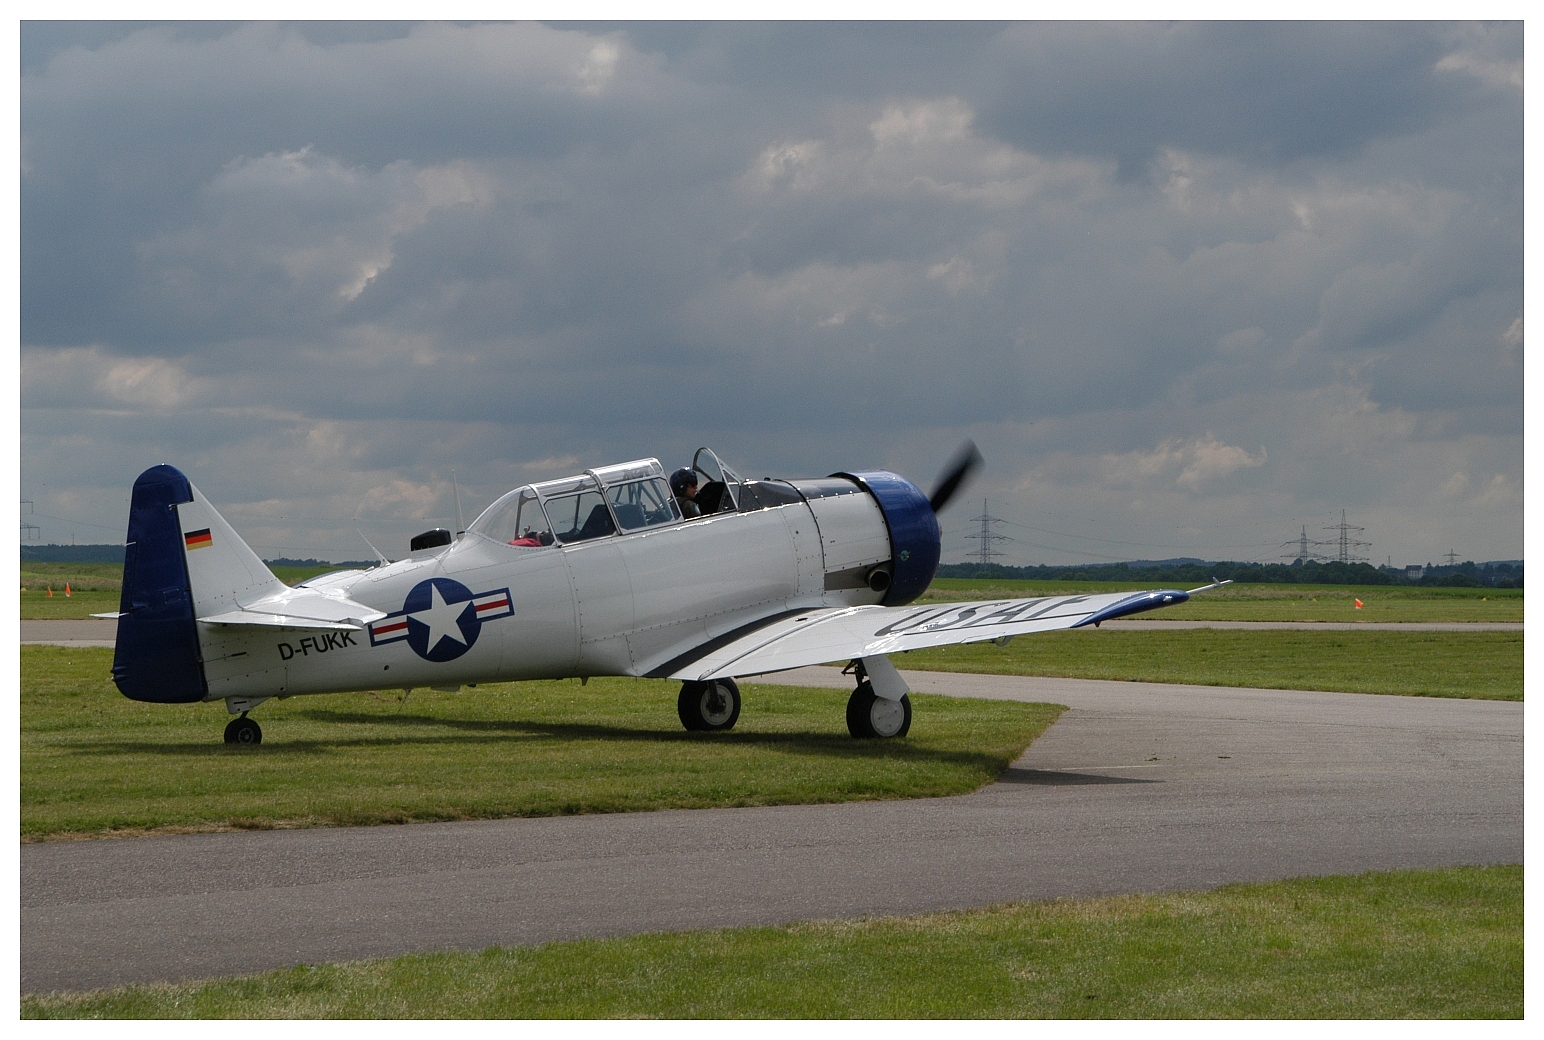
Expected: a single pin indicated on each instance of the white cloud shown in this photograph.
(1498, 75)
(90, 377)
(599, 67)
(1186, 464)
(1513, 336)
(927, 149)
(956, 274)
(321, 223)
(924, 123)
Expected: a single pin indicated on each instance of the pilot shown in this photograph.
(683, 483)
(531, 538)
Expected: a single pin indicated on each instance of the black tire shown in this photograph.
(243, 731)
(712, 706)
(872, 717)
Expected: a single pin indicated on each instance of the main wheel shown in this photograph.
(243, 731)
(869, 715)
(711, 705)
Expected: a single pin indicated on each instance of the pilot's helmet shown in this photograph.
(682, 479)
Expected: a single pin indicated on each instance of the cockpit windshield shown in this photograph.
(627, 497)
(719, 490)
(516, 519)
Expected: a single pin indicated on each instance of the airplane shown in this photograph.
(597, 574)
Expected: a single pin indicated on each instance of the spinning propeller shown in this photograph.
(965, 462)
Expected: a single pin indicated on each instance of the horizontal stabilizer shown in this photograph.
(252, 617)
(300, 608)
(112, 615)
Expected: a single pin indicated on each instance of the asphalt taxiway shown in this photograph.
(1139, 787)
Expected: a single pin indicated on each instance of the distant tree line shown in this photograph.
(285, 561)
(1499, 575)
(72, 553)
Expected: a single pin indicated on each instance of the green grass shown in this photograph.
(1266, 602)
(1410, 944)
(94, 762)
(94, 587)
(1486, 665)
(296, 575)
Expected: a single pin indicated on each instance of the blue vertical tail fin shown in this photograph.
(157, 656)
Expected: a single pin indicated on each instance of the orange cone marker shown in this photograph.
(66, 588)
(1358, 604)
(50, 592)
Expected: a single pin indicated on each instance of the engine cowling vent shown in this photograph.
(430, 539)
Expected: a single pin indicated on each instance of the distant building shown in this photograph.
(1415, 572)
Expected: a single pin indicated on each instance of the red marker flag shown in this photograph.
(1358, 604)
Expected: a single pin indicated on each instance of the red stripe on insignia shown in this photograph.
(494, 605)
(382, 630)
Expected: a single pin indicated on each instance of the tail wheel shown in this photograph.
(243, 731)
(869, 715)
(712, 705)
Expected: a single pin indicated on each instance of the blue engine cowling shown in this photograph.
(915, 541)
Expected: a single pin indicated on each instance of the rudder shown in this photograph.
(157, 656)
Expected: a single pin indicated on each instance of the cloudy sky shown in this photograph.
(1190, 287)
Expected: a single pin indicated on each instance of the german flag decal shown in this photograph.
(199, 539)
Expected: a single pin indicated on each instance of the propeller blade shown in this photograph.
(965, 462)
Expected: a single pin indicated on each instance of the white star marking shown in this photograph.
(441, 619)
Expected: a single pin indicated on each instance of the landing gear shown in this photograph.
(243, 731)
(713, 705)
(870, 715)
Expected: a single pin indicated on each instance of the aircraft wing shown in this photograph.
(301, 607)
(793, 639)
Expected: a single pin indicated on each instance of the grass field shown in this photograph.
(94, 762)
(1485, 665)
(1413, 944)
(1264, 602)
(94, 587)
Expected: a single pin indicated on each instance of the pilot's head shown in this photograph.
(683, 482)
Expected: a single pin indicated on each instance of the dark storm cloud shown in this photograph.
(1248, 272)
(1299, 90)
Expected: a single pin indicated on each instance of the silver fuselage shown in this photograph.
(625, 604)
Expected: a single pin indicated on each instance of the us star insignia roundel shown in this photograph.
(441, 618)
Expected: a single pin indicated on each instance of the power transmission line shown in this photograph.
(1349, 549)
(1301, 548)
(984, 552)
